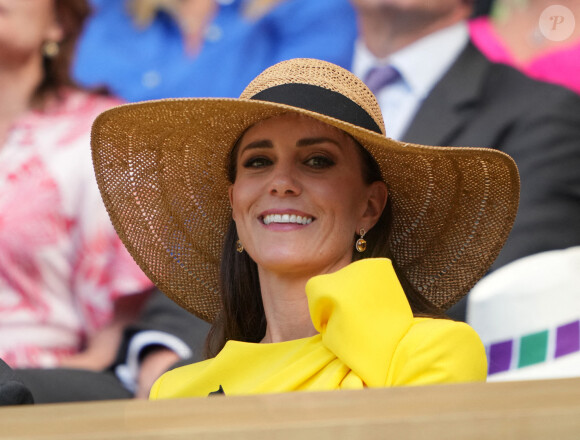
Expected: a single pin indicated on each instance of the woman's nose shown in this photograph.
(284, 181)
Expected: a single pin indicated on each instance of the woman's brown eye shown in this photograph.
(257, 162)
(320, 162)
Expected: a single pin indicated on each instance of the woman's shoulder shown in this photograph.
(439, 323)
(439, 351)
(443, 331)
(80, 100)
(189, 369)
(79, 105)
(176, 383)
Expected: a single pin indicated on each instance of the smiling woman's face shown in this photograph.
(299, 196)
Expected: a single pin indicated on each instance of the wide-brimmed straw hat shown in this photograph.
(161, 167)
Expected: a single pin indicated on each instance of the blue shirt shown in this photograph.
(140, 64)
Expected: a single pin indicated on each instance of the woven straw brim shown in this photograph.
(161, 169)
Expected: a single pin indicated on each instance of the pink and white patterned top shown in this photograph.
(61, 263)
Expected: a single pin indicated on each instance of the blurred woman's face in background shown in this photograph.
(25, 25)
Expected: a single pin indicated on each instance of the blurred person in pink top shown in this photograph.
(543, 43)
(67, 285)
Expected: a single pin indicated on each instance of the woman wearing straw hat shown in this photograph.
(322, 252)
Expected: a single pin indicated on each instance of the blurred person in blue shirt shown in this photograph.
(150, 49)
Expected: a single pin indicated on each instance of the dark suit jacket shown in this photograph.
(481, 104)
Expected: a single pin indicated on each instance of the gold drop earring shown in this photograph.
(239, 246)
(361, 243)
(50, 49)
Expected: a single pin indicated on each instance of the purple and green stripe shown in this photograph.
(533, 348)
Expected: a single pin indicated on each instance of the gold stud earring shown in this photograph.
(239, 246)
(361, 243)
(50, 49)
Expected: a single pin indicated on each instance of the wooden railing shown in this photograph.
(513, 410)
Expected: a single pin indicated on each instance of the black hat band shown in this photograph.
(319, 100)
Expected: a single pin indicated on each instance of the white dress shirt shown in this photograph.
(421, 65)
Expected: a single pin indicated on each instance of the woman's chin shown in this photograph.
(298, 262)
(287, 262)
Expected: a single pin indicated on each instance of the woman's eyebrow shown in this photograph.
(304, 142)
(263, 143)
(318, 140)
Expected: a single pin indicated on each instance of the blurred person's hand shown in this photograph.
(156, 362)
(101, 347)
(100, 352)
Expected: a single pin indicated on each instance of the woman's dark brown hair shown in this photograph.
(242, 316)
(71, 15)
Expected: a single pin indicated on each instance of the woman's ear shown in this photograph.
(231, 197)
(376, 202)
(55, 31)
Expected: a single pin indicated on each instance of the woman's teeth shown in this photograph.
(286, 218)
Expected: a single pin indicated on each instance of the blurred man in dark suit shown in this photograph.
(440, 90)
